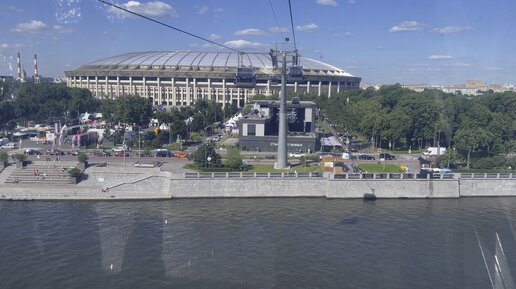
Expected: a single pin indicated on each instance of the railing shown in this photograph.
(351, 176)
(249, 175)
(467, 176)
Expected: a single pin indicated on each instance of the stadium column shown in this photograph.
(174, 93)
(118, 88)
(329, 88)
(338, 87)
(144, 89)
(194, 90)
(319, 88)
(209, 90)
(188, 93)
(308, 86)
(96, 86)
(158, 83)
(108, 92)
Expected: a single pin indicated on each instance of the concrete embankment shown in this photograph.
(313, 187)
(138, 183)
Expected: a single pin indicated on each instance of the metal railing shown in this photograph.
(250, 175)
(350, 176)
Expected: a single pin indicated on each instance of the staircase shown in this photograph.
(54, 173)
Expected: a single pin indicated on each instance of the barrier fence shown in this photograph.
(386, 176)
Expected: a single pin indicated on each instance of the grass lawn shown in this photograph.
(298, 168)
(379, 168)
(262, 168)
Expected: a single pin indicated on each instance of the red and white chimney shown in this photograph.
(36, 75)
(19, 66)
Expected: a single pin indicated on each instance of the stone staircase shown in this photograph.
(55, 173)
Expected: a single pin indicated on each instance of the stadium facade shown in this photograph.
(179, 78)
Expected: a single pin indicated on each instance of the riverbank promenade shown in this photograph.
(118, 181)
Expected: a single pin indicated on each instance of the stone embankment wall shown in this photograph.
(313, 187)
(138, 183)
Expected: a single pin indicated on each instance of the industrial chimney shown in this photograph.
(36, 75)
(19, 67)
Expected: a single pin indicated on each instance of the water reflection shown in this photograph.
(253, 243)
(115, 226)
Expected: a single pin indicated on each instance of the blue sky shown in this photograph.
(405, 41)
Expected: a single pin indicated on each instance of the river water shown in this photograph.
(253, 243)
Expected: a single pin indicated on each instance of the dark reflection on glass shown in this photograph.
(253, 243)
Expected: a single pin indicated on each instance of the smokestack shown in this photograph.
(36, 75)
(19, 66)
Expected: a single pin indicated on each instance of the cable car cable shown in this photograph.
(170, 26)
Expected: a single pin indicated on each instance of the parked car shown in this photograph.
(54, 152)
(181, 155)
(386, 157)
(365, 157)
(163, 153)
(121, 154)
(296, 155)
(102, 154)
(10, 145)
(32, 152)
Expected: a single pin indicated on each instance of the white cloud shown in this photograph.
(461, 64)
(406, 26)
(15, 9)
(277, 29)
(149, 9)
(205, 45)
(352, 1)
(347, 33)
(493, 68)
(327, 2)
(243, 44)
(307, 27)
(15, 45)
(203, 9)
(35, 26)
(250, 32)
(214, 37)
(61, 29)
(450, 29)
(218, 10)
(39, 27)
(440, 57)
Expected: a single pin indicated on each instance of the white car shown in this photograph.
(10, 145)
(296, 155)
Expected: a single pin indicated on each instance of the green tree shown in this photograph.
(234, 159)
(474, 140)
(205, 152)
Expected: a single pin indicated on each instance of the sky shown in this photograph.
(434, 42)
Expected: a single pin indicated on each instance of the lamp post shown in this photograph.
(139, 142)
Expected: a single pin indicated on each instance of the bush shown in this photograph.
(82, 158)
(489, 163)
(147, 152)
(20, 157)
(74, 172)
(3, 156)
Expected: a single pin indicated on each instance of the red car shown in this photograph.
(121, 154)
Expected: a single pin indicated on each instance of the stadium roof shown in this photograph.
(195, 59)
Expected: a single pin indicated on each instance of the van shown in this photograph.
(10, 145)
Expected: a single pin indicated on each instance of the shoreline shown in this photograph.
(129, 183)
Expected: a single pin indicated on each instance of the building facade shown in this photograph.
(258, 130)
(176, 78)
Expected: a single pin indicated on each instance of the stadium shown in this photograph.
(179, 78)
